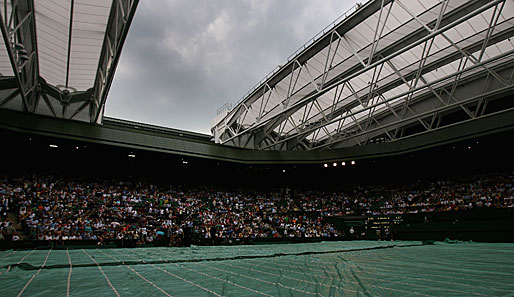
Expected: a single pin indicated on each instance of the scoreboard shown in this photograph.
(383, 221)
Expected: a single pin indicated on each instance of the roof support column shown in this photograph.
(121, 15)
(19, 35)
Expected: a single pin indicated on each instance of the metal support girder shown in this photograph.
(340, 30)
(422, 61)
(10, 97)
(120, 18)
(348, 23)
(405, 94)
(424, 56)
(416, 74)
(19, 34)
(8, 82)
(17, 22)
(402, 78)
(415, 117)
(378, 31)
(468, 56)
(481, 84)
(380, 26)
(279, 117)
(266, 95)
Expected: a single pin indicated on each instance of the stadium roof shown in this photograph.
(386, 70)
(58, 57)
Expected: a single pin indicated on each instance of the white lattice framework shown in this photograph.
(58, 57)
(389, 68)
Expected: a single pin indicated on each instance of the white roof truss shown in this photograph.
(59, 56)
(391, 67)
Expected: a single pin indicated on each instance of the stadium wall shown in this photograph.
(160, 139)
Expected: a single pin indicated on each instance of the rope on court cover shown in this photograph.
(211, 276)
(103, 273)
(305, 281)
(142, 277)
(35, 274)
(176, 276)
(3, 256)
(371, 269)
(210, 271)
(262, 281)
(19, 262)
(7, 254)
(327, 276)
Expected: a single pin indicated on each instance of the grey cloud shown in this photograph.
(182, 59)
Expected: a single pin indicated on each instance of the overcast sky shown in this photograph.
(184, 59)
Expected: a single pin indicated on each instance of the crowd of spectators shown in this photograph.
(59, 209)
(463, 193)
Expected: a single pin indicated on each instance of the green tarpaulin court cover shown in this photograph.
(356, 268)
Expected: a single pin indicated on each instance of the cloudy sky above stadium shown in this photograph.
(182, 60)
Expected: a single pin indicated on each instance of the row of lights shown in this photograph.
(131, 155)
(56, 146)
(468, 147)
(335, 164)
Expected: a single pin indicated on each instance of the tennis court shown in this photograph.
(356, 268)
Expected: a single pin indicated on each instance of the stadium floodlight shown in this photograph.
(334, 164)
(344, 163)
(353, 162)
(325, 165)
(54, 146)
(131, 156)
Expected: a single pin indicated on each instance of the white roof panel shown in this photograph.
(70, 59)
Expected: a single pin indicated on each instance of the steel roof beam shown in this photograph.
(19, 34)
(346, 109)
(426, 68)
(120, 18)
(401, 80)
(416, 73)
(457, 102)
(394, 50)
(490, 91)
(348, 23)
